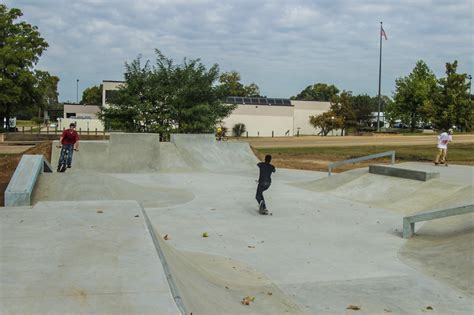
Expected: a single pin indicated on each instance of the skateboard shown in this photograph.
(265, 212)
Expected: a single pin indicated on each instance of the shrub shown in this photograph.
(238, 129)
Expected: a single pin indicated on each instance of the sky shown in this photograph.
(281, 45)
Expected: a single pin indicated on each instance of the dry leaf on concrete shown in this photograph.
(166, 237)
(353, 307)
(246, 300)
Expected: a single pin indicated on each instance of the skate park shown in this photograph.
(139, 226)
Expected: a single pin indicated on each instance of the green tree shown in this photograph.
(327, 122)
(363, 106)
(46, 91)
(451, 105)
(167, 98)
(21, 45)
(92, 95)
(413, 95)
(317, 92)
(230, 85)
(342, 106)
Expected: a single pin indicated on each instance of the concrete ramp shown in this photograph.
(80, 258)
(203, 152)
(215, 285)
(141, 153)
(402, 195)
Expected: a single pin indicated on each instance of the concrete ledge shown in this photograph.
(409, 222)
(22, 183)
(402, 172)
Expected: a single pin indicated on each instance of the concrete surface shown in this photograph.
(23, 181)
(402, 172)
(330, 243)
(80, 258)
(140, 153)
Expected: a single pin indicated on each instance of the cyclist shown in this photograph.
(69, 141)
(219, 133)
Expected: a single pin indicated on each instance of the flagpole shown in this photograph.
(380, 78)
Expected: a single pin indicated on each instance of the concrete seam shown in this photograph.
(169, 277)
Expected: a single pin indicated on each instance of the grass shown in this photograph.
(25, 123)
(461, 153)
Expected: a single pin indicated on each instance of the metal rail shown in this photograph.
(359, 159)
(409, 222)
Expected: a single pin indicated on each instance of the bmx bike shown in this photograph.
(63, 158)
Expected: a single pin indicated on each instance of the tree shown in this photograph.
(342, 106)
(327, 122)
(413, 95)
(21, 45)
(230, 85)
(317, 92)
(363, 106)
(238, 129)
(167, 98)
(451, 104)
(46, 91)
(92, 95)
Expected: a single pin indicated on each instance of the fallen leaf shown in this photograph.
(353, 307)
(205, 234)
(429, 308)
(100, 211)
(246, 300)
(166, 237)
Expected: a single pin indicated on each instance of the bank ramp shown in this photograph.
(139, 153)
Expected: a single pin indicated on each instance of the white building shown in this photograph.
(272, 116)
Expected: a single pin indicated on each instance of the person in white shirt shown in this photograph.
(443, 140)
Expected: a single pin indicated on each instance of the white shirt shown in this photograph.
(443, 140)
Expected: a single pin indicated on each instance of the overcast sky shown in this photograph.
(281, 45)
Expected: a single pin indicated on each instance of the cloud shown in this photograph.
(281, 45)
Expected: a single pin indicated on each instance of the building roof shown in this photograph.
(114, 81)
(258, 101)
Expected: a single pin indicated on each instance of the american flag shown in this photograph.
(382, 33)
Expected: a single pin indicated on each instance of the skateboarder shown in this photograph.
(264, 182)
(443, 140)
(69, 141)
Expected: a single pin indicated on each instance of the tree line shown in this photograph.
(420, 98)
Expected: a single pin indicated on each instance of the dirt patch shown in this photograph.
(9, 163)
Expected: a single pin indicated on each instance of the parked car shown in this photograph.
(400, 125)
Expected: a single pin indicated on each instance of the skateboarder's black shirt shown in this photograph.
(266, 170)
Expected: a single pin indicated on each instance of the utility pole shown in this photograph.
(382, 33)
(77, 91)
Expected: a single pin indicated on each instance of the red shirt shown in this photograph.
(70, 136)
